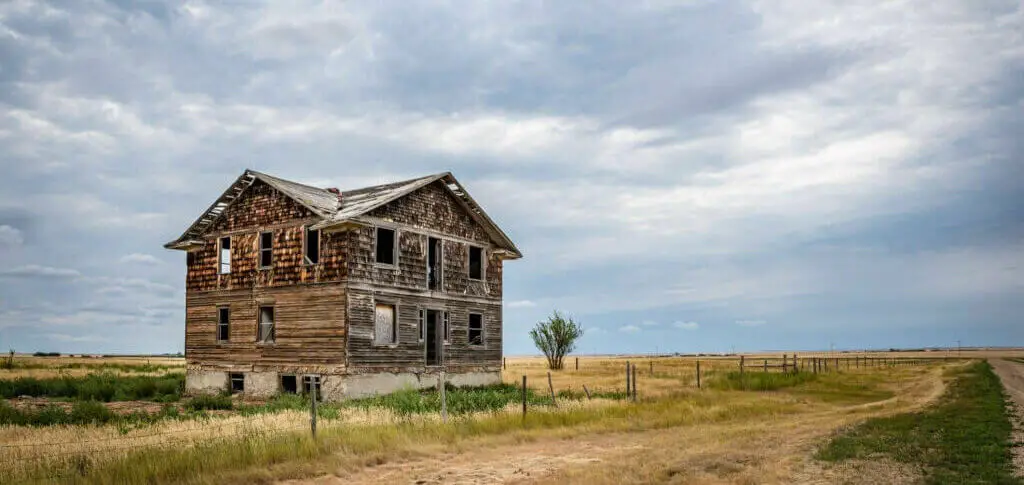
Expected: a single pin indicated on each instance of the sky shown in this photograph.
(682, 176)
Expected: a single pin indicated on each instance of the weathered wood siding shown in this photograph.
(309, 300)
(309, 326)
(429, 212)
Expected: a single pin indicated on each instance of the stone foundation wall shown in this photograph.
(205, 382)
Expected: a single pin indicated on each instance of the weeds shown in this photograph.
(103, 387)
(215, 402)
(760, 381)
(461, 400)
(965, 438)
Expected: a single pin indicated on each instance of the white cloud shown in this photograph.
(10, 236)
(520, 304)
(37, 271)
(750, 323)
(139, 258)
(686, 325)
(629, 329)
(60, 337)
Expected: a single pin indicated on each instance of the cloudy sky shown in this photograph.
(681, 176)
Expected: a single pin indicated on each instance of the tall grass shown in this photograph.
(103, 387)
(760, 381)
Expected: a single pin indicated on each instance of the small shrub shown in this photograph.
(204, 403)
(90, 412)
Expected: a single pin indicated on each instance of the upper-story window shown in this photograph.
(476, 263)
(311, 246)
(223, 324)
(386, 247)
(266, 249)
(224, 256)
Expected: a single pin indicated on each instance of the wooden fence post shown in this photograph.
(652, 368)
(312, 410)
(765, 365)
(524, 398)
(698, 374)
(785, 364)
(634, 383)
(741, 366)
(627, 379)
(586, 391)
(577, 363)
(444, 397)
(552, 389)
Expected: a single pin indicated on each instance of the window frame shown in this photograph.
(259, 325)
(226, 323)
(396, 327)
(231, 382)
(469, 328)
(260, 250)
(483, 263)
(305, 246)
(446, 326)
(220, 255)
(394, 247)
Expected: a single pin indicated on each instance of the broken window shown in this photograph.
(223, 324)
(311, 250)
(289, 385)
(476, 263)
(237, 382)
(266, 249)
(435, 265)
(385, 326)
(447, 330)
(310, 384)
(476, 329)
(224, 259)
(266, 330)
(385, 246)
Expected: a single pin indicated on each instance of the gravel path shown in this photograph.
(1012, 375)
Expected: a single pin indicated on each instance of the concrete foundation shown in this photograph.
(205, 382)
(261, 385)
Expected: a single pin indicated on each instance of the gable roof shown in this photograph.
(336, 211)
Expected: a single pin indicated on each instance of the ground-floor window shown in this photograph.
(237, 382)
(309, 383)
(289, 385)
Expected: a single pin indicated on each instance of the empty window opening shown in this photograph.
(311, 251)
(266, 249)
(385, 246)
(476, 329)
(385, 325)
(311, 383)
(435, 263)
(237, 383)
(447, 328)
(266, 330)
(476, 263)
(289, 385)
(224, 259)
(423, 325)
(223, 324)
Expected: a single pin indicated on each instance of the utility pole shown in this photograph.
(958, 348)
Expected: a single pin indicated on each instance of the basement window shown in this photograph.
(289, 385)
(385, 325)
(223, 324)
(476, 263)
(476, 329)
(311, 383)
(266, 330)
(266, 249)
(224, 257)
(385, 246)
(237, 382)
(311, 246)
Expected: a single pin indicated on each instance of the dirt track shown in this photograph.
(1012, 375)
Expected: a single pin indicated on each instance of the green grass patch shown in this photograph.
(103, 387)
(759, 381)
(13, 364)
(461, 400)
(965, 438)
(83, 413)
(216, 402)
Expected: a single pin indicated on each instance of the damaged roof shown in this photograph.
(338, 209)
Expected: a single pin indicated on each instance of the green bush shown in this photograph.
(90, 412)
(204, 403)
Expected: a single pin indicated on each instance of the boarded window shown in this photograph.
(289, 385)
(223, 324)
(385, 246)
(476, 329)
(266, 330)
(224, 258)
(266, 249)
(311, 251)
(476, 263)
(385, 326)
(237, 383)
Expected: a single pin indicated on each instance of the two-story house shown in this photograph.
(354, 292)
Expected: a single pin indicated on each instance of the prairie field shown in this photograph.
(115, 420)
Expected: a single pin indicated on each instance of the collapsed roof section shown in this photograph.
(339, 210)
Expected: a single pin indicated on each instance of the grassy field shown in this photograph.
(149, 433)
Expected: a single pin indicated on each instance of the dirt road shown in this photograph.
(1012, 375)
(761, 451)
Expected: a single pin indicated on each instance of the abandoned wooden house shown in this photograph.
(351, 292)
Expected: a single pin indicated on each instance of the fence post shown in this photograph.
(698, 374)
(577, 363)
(766, 365)
(504, 363)
(552, 389)
(634, 384)
(785, 364)
(312, 410)
(586, 391)
(627, 379)
(741, 366)
(652, 368)
(796, 365)
(524, 398)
